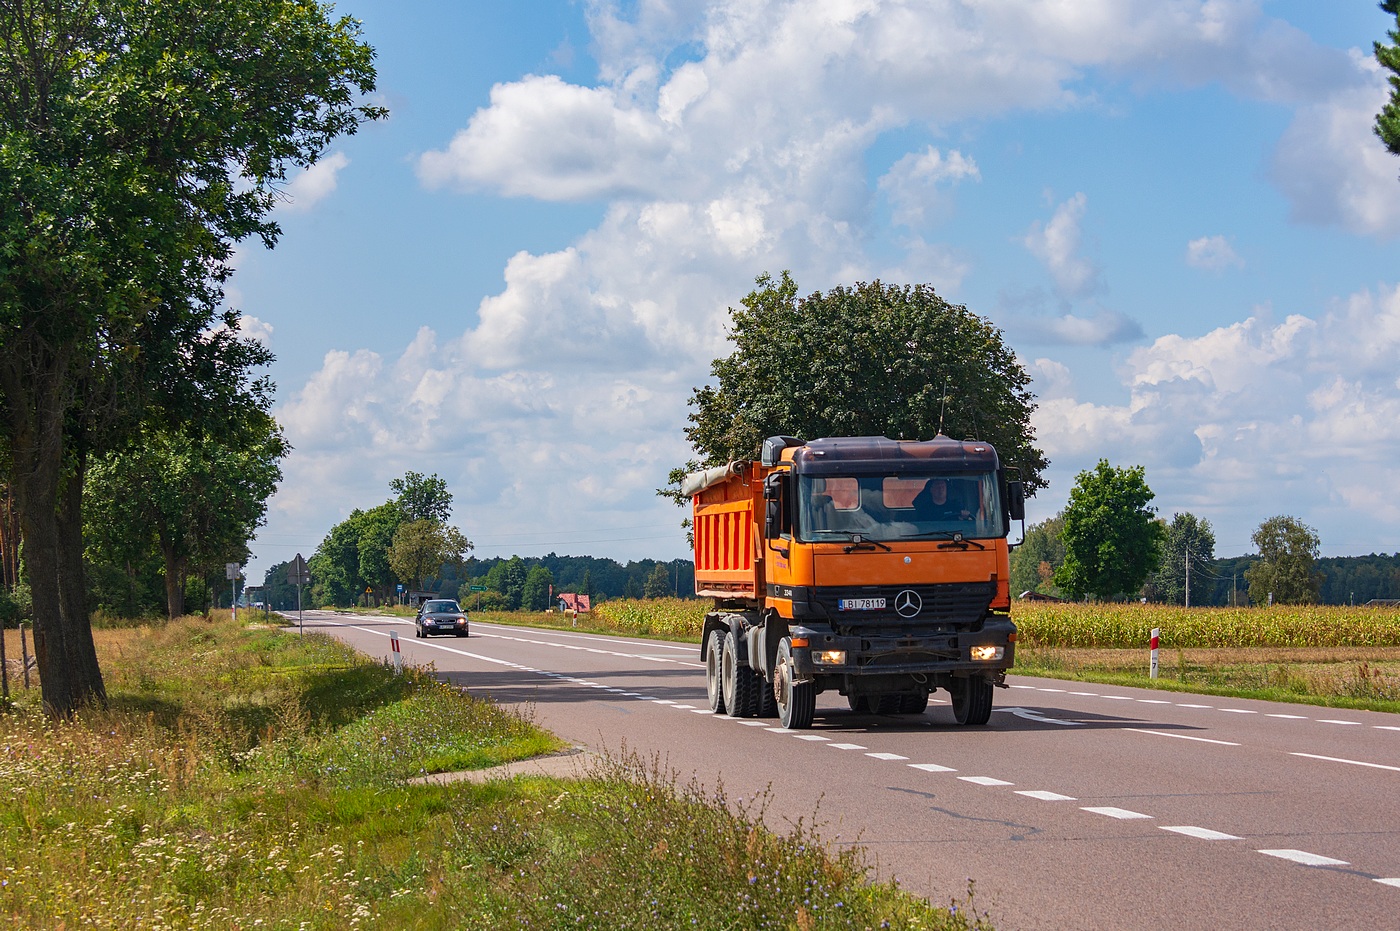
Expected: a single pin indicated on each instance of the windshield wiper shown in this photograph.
(954, 539)
(859, 542)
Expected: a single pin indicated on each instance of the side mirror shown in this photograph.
(772, 516)
(1016, 500)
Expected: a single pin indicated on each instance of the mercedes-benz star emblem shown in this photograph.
(908, 603)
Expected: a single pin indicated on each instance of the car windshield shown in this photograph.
(898, 507)
(441, 607)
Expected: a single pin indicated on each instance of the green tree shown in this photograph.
(138, 142)
(1387, 126)
(335, 566)
(422, 498)
(1112, 541)
(1034, 562)
(377, 528)
(538, 584)
(1287, 565)
(1188, 541)
(195, 496)
(508, 578)
(658, 583)
(421, 548)
(869, 360)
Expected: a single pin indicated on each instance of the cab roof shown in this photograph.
(882, 454)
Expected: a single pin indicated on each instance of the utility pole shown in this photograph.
(1188, 577)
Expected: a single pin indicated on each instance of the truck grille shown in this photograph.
(951, 606)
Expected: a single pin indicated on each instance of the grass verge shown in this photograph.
(247, 778)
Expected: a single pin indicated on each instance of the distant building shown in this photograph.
(1037, 596)
(568, 601)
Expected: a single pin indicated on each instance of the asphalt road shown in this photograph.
(1077, 807)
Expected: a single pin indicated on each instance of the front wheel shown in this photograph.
(972, 700)
(797, 701)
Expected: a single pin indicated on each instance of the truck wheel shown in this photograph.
(797, 701)
(714, 687)
(972, 700)
(913, 704)
(860, 704)
(740, 695)
(767, 700)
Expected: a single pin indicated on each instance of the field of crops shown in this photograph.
(1100, 626)
(1130, 626)
(680, 618)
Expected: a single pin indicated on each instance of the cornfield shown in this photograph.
(680, 618)
(1122, 626)
(1097, 626)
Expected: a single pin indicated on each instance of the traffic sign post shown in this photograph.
(298, 574)
(231, 570)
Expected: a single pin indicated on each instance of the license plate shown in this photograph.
(860, 604)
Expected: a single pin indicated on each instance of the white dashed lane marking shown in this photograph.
(1305, 858)
(1202, 833)
(1044, 796)
(1122, 814)
(985, 781)
(1337, 759)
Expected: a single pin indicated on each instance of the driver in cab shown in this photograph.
(933, 502)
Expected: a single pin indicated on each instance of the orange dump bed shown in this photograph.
(726, 527)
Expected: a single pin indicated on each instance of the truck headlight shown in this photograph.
(830, 657)
(985, 654)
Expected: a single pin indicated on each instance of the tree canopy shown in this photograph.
(1112, 540)
(1034, 562)
(1188, 541)
(1387, 126)
(138, 142)
(1287, 568)
(869, 360)
(195, 496)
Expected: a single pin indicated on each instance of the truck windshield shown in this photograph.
(898, 507)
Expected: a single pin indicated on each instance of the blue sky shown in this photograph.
(1174, 209)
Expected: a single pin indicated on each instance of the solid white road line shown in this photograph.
(1337, 759)
(1204, 740)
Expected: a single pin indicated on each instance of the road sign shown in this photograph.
(477, 588)
(231, 570)
(297, 573)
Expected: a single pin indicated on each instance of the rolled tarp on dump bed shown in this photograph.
(696, 482)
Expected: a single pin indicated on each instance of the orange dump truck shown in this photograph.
(869, 566)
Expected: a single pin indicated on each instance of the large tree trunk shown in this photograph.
(175, 569)
(50, 517)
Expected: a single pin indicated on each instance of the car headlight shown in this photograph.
(985, 654)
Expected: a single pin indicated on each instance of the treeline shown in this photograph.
(1332, 580)
(1345, 580)
(405, 546)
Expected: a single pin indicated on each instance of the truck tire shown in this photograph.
(860, 704)
(767, 700)
(913, 704)
(797, 701)
(714, 686)
(972, 700)
(739, 691)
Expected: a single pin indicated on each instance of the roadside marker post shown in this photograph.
(1155, 632)
(394, 645)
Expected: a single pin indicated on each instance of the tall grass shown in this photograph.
(246, 778)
